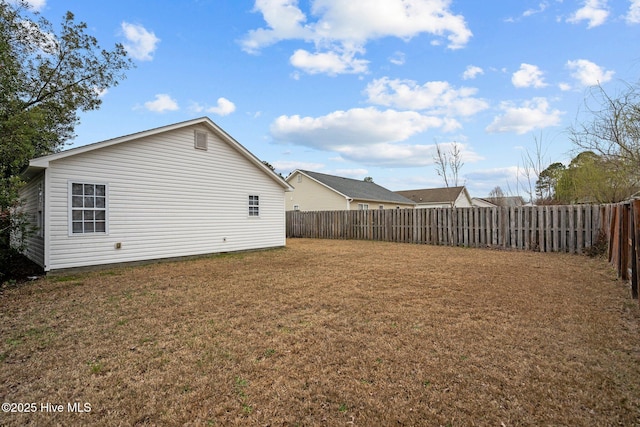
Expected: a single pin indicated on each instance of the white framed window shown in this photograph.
(299, 178)
(87, 208)
(254, 205)
(296, 207)
(381, 207)
(363, 206)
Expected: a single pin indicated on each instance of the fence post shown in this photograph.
(635, 272)
(632, 251)
(624, 242)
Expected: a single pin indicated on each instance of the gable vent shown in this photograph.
(201, 140)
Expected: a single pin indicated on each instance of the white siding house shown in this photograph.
(180, 190)
(315, 191)
(446, 197)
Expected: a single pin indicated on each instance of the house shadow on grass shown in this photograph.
(18, 269)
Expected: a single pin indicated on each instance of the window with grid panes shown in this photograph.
(254, 205)
(88, 208)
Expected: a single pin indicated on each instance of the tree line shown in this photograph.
(607, 166)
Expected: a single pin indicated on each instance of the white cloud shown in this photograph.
(588, 73)
(162, 103)
(344, 28)
(284, 21)
(141, 43)
(437, 97)
(362, 20)
(224, 107)
(541, 8)
(510, 179)
(351, 173)
(100, 92)
(390, 155)
(331, 63)
(564, 86)
(529, 12)
(494, 174)
(398, 58)
(594, 11)
(633, 16)
(402, 155)
(288, 166)
(368, 136)
(35, 5)
(358, 126)
(531, 115)
(528, 76)
(47, 42)
(472, 72)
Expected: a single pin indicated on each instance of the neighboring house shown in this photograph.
(447, 197)
(180, 190)
(315, 191)
(482, 203)
(507, 201)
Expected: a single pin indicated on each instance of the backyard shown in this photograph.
(326, 332)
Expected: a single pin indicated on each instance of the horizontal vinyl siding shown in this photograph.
(312, 196)
(376, 205)
(30, 201)
(166, 199)
(462, 201)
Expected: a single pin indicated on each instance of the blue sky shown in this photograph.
(367, 87)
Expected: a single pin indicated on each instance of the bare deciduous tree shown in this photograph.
(532, 166)
(614, 131)
(449, 163)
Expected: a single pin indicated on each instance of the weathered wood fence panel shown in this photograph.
(540, 228)
(622, 227)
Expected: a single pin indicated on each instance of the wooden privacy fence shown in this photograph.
(623, 233)
(541, 228)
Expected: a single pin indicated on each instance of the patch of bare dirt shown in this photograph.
(328, 332)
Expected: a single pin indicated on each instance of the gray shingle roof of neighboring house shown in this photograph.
(433, 195)
(357, 189)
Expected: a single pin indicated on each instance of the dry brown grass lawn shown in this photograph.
(328, 332)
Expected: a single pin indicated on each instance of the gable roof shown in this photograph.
(508, 201)
(434, 195)
(40, 163)
(354, 188)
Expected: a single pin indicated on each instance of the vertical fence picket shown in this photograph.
(580, 228)
(624, 241)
